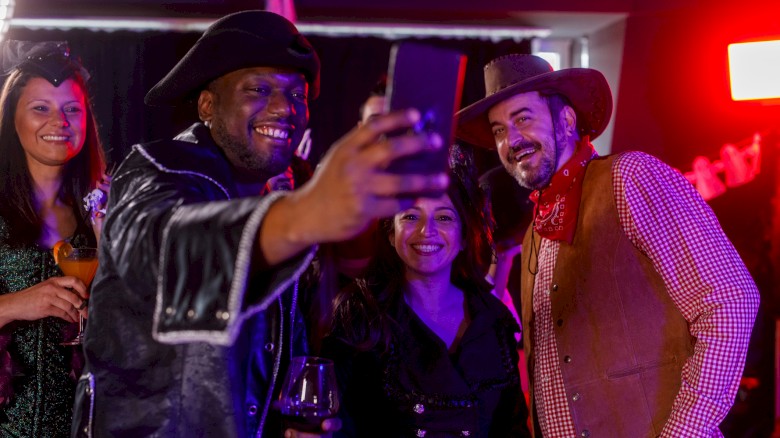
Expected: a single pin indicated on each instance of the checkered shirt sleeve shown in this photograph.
(666, 219)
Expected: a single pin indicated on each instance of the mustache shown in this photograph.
(520, 145)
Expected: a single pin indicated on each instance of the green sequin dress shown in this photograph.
(43, 376)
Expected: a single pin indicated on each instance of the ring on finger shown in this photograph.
(83, 305)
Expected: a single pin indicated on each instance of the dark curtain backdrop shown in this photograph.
(126, 64)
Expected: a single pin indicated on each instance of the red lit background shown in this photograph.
(675, 98)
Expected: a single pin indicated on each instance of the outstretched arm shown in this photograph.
(349, 189)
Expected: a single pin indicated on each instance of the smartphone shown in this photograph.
(430, 79)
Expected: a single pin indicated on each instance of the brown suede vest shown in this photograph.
(621, 340)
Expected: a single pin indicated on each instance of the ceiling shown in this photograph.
(562, 18)
(548, 18)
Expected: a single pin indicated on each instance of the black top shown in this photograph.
(419, 388)
(37, 374)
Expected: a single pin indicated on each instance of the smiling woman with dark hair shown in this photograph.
(50, 158)
(421, 346)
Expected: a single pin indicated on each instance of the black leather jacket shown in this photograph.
(182, 339)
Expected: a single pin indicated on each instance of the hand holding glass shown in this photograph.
(309, 394)
(81, 263)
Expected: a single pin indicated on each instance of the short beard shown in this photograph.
(237, 149)
(533, 180)
(539, 179)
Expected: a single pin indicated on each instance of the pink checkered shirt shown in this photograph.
(667, 220)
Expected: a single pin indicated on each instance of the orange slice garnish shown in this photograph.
(61, 249)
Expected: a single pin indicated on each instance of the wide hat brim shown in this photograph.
(587, 90)
(241, 40)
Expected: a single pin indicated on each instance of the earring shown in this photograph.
(207, 123)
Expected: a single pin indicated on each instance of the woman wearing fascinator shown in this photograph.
(50, 161)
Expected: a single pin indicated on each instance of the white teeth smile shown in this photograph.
(272, 132)
(55, 137)
(524, 153)
(427, 249)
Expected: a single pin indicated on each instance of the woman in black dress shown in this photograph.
(421, 347)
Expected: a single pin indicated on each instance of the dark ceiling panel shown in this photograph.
(131, 8)
(427, 10)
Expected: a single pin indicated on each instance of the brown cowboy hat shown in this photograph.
(586, 89)
(240, 40)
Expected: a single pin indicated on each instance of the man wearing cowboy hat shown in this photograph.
(637, 309)
(193, 313)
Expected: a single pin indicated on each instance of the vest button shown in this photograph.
(585, 433)
(576, 397)
(251, 410)
(554, 287)
(567, 359)
(559, 322)
(269, 347)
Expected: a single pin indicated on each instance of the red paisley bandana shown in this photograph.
(558, 204)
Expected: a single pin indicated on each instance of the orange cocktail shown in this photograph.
(82, 268)
(81, 263)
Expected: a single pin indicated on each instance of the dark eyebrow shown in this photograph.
(513, 114)
(446, 208)
(49, 101)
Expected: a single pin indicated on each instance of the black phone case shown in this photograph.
(429, 79)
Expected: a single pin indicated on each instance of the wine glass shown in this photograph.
(309, 394)
(81, 263)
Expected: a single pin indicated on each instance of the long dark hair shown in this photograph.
(362, 316)
(80, 175)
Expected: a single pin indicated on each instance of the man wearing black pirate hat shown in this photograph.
(193, 315)
(636, 308)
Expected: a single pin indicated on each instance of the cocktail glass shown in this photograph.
(81, 263)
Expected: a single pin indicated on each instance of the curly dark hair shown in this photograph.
(361, 318)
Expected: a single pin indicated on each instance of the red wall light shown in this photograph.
(754, 70)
